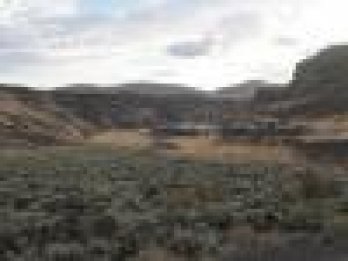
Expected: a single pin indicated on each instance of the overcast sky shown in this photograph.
(202, 43)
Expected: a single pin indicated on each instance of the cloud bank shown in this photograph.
(206, 44)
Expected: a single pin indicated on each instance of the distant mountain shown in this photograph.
(247, 90)
(143, 88)
(127, 105)
(69, 114)
(160, 89)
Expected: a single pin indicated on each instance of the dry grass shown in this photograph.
(341, 219)
(334, 124)
(198, 148)
(123, 139)
(213, 149)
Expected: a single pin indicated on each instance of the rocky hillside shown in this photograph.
(69, 114)
(140, 104)
(249, 90)
(31, 117)
(323, 79)
(318, 87)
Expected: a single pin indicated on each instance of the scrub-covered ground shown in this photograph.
(99, 203)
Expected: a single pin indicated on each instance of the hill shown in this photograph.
(143, 88)
(69, 114)
(318, 87)
(247, 90)
(323, 79)
(125, 107)
(31, 117)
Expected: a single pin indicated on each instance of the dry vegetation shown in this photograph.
(330, 124)
(123, 139)
(98, 202)
(238, 152)
(199, 148)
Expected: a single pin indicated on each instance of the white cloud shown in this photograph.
(56, 42)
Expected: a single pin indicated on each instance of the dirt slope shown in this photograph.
(33, 119)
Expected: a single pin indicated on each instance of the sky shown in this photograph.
(200, 43)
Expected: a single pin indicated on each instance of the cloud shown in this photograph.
(14, 58)
(240, 26)
(25, 24)
(191, 49)
(286, 41)
(196, 42)
(225, 31)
